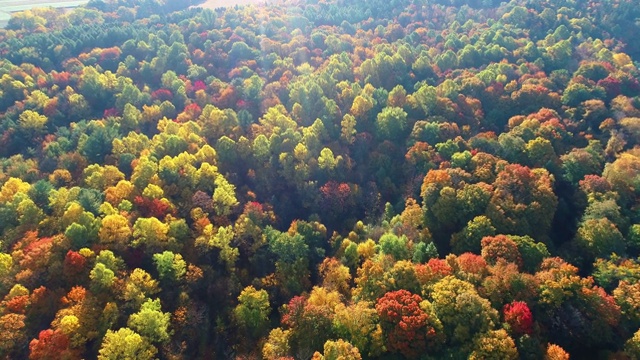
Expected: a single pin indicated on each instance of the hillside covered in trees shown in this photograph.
(325, 179)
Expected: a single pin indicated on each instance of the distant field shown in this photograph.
(212, 4)
(16, 5)
(9, 6)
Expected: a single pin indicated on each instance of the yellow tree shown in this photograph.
(32, 124)
(138, 286)
(277, 345)
(100, 177)
(335, 276)
(358, 323)
(115, 231)
(121, 191)
(338, 350)
(125, 344)
(12, 187)
(219, 238)
(495, 344)
(464, 314)
(152, 233)
(224, 197)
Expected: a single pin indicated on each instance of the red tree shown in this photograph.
(496, 247)
(74, 264)
(406, 326)
(432, 271)
(152, 207)
(518, 316)
(52, 345)
(162, 95)
(472, 263)
(17, 305)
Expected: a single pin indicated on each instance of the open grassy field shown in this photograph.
(9, 6)
(212, 4)
(20, 5)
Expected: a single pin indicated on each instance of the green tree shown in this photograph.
(576, 93)
(170, 266)
(633, 239)
(532, 252)
(395, 246)
(468, 240)
(84, 232)
(391, 123)
(252, 312)
(102, 278)
(97, 142)
(292, 264)
(151, 322)
(580, 162)
(600, 238)
(424, 99)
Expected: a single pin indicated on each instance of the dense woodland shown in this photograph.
(325, 179)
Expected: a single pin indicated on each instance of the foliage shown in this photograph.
(408, 328)
(151, 322)
(125, 344)
(496, 344)
(335, 350)
(519, 317)
(464, 314)
(252, 311)
(381, 178)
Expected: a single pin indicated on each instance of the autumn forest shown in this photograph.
(321, 179)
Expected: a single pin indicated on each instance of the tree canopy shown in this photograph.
(321, 180)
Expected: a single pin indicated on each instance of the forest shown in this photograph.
(321, 179)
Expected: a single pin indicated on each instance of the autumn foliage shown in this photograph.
(519, 317)
(407, 328)
(320, 180)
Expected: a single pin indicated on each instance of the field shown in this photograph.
(13, 5)
(213, 4)
(9, 6)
